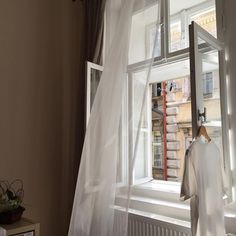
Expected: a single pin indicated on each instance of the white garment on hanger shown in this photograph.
(203, 183)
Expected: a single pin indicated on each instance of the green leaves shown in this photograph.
(10, 194)
(10, 197)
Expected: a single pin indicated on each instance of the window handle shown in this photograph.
(202, 116)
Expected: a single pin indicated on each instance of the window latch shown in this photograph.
(202, 116)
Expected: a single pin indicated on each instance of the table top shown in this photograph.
(22, 225)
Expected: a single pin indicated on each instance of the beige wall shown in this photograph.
(40, 76)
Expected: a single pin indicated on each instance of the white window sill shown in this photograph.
(159, 185)
(160, 200)
(157, 198)
(162, 190)
(230, 211)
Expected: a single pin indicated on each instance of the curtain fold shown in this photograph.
(95, 30)
(96, 210)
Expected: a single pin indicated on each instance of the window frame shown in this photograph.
(165, 58)
(147, 171)
(89, 67)
(161, 20)
(182, 54)
(195, 32)
(185, 21)
(140, 67)
(123, 128)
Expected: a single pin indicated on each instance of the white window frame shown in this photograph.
(149, 160)
(196, 85)
(123, 122)
(168, 57)
(131, 142)
(185, 21)
(170, 190)
(89, 67)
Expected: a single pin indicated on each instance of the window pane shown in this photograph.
(206, 19)
(171, 120)
(142, 155)
(138, 91)
(143, 31)
(94, 73)
(175, 35)
(94, 81)
(182, 12)
(143, 148)
(208, 64)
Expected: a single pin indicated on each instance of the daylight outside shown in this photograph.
(171, 103)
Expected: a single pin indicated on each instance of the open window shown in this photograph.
(171, 119)
(208, 87)
(175, 97)
(176, 91)
(181, 13)
(145, 20)
(94, 73)
(141, 150)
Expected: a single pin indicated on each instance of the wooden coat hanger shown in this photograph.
(203, 132)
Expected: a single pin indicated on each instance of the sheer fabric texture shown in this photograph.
(106, 168)
(203, 182)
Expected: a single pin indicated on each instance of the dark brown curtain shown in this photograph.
(95, 28)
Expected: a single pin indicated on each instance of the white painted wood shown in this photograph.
(22, 227)
(149, 119)
(89, 67)
(196, 74)
(143, 226)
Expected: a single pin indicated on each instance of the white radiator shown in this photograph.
(143, 226)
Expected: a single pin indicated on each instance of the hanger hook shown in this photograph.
(202, 116)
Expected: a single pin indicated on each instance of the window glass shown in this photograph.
(142, 155)
(137, 91)
(94, 81)
(206, 19)
(175, 36)
(166, 128)
(209, 96)
(143, 31)
(171, 111)
(208, 84)
(181, 13)
(171, 120)
(94, 73)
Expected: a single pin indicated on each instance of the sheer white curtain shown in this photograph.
(96, 211)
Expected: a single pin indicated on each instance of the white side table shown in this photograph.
(23, 227)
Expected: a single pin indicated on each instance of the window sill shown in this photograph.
(230, 217)
(230, 211)
(163, 190)
(160, 200)
(157, 198)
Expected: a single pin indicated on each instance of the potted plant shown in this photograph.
(11, 196)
